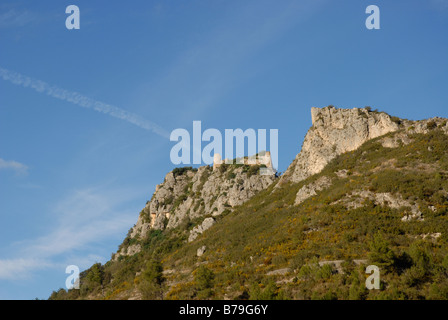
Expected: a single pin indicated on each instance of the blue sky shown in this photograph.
(74, 179)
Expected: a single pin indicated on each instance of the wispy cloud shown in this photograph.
(84, 216)
(82, 219)
(20, 268)
(18, 167)
(14, 18)
(81, 100)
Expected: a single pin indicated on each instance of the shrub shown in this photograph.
(230, 175)
(181, 171)
(396, 120)
(270, 292)
(325, 272)
(431, 125)
(204, 278)
(152, 280)
(223, 167)
(380, 253)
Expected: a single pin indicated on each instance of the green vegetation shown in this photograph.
(203, 278)
(231, 175)
(180, 171)
(151, 282)
(270, 233)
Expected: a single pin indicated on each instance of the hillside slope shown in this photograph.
(195, 197)
(378, 194)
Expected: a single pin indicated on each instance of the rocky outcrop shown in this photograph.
(192, 196)
(335, 131)
(312, 188)
(188, 195)
(206, 224)
(357, 199)
(201, 251)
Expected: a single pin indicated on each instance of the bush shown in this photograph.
(152, 280)
(230, 175)
(223, 167)
(325, 272)
(431, 125)
(270, 292)
(181, 171)
(396, 120)
(380, 253)
(421, 262)
(204, 278)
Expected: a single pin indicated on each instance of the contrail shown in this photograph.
(81, 100)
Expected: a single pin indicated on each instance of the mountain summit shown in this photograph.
(335, 131)
(365, 189)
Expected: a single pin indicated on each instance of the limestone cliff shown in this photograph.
(197, 195)
(336, 131)
(333, 132)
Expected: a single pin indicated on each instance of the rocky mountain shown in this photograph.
(201, 194)
(336, 131)
(366, 188)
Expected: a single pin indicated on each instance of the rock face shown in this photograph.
(197, 195)
(356, 200)
(311, 189)
(201, 251)
(335, 131)
(206, 224)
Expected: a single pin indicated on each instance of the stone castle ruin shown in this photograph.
(262, 158)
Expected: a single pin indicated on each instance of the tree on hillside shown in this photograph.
(204, 279)
(381, 254)
(152, 281)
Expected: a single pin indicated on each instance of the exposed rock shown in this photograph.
(424, 126)
(414, 216)
(201, 251)
(335, 131)
(188, 194)
(285, 281)
(196, 231)
(129, 251)
(337, 264)
(396, 140)
(357, 199)
(343, 173)
(278, 272)
(431, 235)
(311, 189)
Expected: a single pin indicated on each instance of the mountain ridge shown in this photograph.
(369, 187)
(335, 131)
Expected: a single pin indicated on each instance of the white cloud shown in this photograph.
(83, 217)
(13, 18)
(18, 167)
(82, 220)
(16, 269)
(81, 100)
